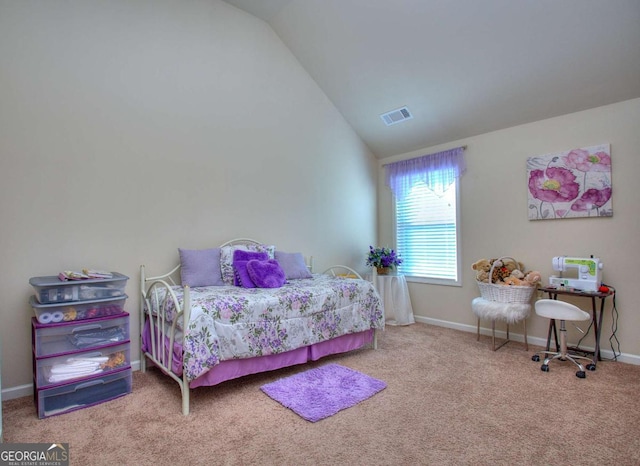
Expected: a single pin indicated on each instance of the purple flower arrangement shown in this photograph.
(383, 257)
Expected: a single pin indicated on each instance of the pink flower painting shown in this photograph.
(576, 183)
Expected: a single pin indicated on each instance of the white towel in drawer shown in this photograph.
(62, 369)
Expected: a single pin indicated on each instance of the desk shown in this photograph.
(394, 292)
(596, 319)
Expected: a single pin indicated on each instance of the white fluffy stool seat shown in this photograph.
(506, 312)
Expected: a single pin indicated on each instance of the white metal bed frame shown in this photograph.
(159, 329)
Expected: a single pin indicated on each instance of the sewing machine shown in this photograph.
(587, 276)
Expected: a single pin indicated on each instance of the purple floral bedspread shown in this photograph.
(230, 322)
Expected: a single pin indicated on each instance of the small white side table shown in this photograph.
(394, 292)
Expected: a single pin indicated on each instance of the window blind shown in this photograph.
(426, 233)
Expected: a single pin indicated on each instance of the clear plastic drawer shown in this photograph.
(83, 394)
(51, 290)
(64, 369)
(70, 337)
(79, 310)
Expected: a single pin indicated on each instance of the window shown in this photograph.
(427, 220)
(427, 234)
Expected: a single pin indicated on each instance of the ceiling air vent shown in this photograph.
(396, 116)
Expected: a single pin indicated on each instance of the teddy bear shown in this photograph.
(482, 268)
(514, 281)
(513, 265)
(533, 278)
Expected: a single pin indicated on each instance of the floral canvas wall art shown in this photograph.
(575, 183)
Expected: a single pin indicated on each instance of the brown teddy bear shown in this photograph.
(514, 281)
(533, 278)
(482, 268)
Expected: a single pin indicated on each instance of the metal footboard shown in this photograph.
(157, 294)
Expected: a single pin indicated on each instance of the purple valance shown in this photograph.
(437, 171)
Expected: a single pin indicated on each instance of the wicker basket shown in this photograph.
(505, 293)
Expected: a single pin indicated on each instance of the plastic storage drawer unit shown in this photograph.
(70, 337)
(51, 290)
(64, 369)
(83, 394)
(79, 310)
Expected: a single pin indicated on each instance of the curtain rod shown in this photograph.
(460, 147)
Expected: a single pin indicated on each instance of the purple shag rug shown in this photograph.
(322, 392)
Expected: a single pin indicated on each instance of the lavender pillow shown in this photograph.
(266, 273)
(293, 265)
(200, 267)
(240, 259)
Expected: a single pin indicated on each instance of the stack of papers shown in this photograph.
(91, 273)
(84, 275)
(72, 275)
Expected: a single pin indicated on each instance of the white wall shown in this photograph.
(129, 129)
(495, 217)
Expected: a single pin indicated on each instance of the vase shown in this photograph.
(383, 270)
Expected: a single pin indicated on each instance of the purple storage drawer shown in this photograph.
(62, 370)
(79, 310)
(82, 394)
(71, 337)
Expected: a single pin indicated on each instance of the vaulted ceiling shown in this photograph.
(462, 67)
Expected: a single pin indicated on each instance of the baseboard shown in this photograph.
(27, 390)
(606, 354)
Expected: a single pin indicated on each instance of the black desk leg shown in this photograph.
(597, 356)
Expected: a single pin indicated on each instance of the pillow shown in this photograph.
(266, 274)
(226, 258)
(242, 277)
(293, 265)
(240, 259)
(200, 267)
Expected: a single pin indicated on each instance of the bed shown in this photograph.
(202, 323)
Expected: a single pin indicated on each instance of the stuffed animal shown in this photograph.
(517, 273)
(482, 268)
(533, 278)
(512, 265)
(513, 281)
(500, 272)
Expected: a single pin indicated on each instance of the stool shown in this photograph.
(506, 312)
(562, 311)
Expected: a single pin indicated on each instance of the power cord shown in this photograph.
(614, 327)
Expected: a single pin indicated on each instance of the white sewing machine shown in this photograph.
(587, 276)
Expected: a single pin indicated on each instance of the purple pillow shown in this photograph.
(240, 259)
(200, 267)
(266, 273)
(241, 276)
(293, 265)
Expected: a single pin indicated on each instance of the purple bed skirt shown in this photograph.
(234, 368)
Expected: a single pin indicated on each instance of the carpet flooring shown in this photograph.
(449, 400)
